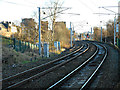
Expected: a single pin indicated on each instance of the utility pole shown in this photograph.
(101, 33)
(101, 30)
(39, 10)
(114, 18)
(70, 35)
(91, 34)
(114, 29)
(73, 35)
(39, 31)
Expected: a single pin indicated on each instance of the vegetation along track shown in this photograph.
(82, 76)
(71, 49)
(28, 75)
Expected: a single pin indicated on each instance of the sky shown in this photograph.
(15, 10)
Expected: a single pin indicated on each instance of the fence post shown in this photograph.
(31, 45)
(46, 49)
(59, 46)
(19, 45)
(28, 45)
(14, 42)
(56, 45)
(22, 47)
(118, 42)
(25, 45)
(8, 41)
(36, 46)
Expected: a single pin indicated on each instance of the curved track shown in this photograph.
(28, 75)
(82, 76)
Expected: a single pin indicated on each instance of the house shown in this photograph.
(62, 24)
(44, 25)
(7, 29)
(30, 23)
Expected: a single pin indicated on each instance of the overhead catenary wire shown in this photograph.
(108, 10)
(105, 13)
(94, 4)
(57, 13)
(36, 6)
(71, 13)
(25, 5)
(110, 6)
(86, 5)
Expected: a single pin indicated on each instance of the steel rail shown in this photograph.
(40, 66)
(96, 70)
(71, 73)
(48, 70)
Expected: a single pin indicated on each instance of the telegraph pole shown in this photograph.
(73, 35)
(45, 18)
(114, 29)
(91, 34)
(39, 32)
(70, 35)
(114, 18)
(101, 33)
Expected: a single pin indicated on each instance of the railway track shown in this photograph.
(83, 75)
(28, 75)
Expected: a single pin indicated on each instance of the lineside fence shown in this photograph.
(18, 45)
(118, 43)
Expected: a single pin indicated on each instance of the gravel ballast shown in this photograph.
(54, 76)
(108, 76)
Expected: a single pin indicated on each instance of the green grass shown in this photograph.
(24, 62)
(6, 41)
(42, 58)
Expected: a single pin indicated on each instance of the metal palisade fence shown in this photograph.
(18, 45)
(118, 42)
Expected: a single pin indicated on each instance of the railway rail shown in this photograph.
(28, 75)
(83, 75)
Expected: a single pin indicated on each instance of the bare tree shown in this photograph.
(55, 7)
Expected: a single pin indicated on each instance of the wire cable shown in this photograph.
(17, 3)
